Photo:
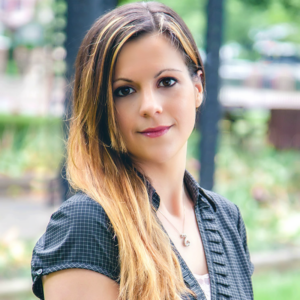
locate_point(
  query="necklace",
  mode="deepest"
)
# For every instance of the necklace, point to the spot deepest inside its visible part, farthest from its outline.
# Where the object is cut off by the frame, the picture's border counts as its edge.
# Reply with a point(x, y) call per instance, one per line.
point(186, 242)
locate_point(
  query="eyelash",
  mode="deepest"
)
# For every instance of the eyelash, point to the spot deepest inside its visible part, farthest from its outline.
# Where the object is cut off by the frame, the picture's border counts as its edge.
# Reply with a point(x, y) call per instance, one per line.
point(130, 88)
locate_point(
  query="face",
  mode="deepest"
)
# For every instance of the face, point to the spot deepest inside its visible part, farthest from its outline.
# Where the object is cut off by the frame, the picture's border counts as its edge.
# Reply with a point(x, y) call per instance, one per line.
point(155, 99)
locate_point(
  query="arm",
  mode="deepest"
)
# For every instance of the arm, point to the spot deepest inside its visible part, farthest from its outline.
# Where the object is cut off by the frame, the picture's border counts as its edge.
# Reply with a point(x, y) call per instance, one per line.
point(78, 239)
point(79, 284)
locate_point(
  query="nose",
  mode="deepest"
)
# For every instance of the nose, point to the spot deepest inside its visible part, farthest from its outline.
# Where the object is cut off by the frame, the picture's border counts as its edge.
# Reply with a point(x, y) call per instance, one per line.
point(150, 104)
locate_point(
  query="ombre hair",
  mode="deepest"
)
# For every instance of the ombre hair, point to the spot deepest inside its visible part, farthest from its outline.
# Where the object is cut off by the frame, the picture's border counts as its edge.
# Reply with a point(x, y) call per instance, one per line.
point(98, 162)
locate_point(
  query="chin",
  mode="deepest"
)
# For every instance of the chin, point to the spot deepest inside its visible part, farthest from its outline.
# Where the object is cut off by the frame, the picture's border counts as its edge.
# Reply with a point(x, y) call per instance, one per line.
point(156, 156)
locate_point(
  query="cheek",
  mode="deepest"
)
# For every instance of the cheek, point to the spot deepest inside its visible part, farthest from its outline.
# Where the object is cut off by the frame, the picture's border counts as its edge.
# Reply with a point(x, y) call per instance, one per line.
point(123, 117)
point(184, 108)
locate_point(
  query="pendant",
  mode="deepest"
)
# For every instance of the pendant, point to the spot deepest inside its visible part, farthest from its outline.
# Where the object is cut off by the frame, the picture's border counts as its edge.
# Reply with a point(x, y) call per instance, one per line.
point(186, 242)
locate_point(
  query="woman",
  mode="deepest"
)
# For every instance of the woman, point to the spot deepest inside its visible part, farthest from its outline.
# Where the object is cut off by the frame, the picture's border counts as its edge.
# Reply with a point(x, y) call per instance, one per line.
point(140, 227)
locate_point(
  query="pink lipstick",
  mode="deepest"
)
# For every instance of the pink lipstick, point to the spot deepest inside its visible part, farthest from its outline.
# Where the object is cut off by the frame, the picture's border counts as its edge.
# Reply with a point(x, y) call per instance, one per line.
point(155, 132)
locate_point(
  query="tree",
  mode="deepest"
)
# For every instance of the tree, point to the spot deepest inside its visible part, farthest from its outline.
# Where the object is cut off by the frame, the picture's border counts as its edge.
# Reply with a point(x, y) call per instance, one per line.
point(211, 110)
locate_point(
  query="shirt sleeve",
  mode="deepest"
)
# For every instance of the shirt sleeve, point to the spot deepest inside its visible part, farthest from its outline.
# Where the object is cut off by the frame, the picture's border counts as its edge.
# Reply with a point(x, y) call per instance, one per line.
point(79, 235)
point(243, 234)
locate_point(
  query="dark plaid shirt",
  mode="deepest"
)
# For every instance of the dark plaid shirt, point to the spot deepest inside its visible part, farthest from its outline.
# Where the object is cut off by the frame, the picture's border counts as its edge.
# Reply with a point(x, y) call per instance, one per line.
point(80, 235)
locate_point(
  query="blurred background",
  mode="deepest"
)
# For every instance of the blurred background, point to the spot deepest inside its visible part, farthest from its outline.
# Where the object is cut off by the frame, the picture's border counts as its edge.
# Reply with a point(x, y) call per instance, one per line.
point(255, 161)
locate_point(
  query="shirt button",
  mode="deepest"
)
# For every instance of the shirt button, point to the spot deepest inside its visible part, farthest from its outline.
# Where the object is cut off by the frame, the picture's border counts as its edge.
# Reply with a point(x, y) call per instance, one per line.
point(39, 272)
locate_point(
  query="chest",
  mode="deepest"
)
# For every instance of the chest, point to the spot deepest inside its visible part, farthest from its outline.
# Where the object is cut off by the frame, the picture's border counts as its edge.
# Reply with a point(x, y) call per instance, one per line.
point(193, 255)
point(224, 253)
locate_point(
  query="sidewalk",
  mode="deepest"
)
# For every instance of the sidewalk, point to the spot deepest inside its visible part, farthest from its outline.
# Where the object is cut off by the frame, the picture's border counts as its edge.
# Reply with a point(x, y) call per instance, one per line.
point(23, 219)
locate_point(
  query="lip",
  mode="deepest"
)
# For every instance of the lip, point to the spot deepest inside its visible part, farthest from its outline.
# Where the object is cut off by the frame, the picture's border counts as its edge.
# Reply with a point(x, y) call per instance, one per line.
point(155, 131)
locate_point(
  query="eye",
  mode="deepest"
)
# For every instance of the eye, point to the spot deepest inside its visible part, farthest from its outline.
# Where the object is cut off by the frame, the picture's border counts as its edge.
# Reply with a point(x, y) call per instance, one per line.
point(167, 82)
point(123, 91)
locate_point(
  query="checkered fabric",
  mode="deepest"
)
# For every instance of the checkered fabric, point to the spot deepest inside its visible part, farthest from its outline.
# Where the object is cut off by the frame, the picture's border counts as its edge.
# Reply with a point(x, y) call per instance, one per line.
point(80, 235)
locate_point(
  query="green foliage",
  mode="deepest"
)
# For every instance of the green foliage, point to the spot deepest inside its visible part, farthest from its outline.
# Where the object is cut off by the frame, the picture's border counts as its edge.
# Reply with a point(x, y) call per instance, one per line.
point(54, 30)
point(262, 181)
point(30, 144)
point(292, 6)
point(15, 257)
point(277, 285)
point(11, 68)
point(258, 3)
point(241, 19)
point(191, 11)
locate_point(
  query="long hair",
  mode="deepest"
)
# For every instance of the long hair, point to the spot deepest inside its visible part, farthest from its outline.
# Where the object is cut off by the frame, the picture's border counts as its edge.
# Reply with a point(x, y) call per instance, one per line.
point(98, 162)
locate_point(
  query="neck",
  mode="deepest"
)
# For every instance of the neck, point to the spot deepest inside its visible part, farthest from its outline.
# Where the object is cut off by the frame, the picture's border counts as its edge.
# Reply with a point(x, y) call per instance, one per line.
point(167, 179)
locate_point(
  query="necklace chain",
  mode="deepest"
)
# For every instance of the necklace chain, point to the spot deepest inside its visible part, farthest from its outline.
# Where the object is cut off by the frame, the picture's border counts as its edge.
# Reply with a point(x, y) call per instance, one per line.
point(186, 242)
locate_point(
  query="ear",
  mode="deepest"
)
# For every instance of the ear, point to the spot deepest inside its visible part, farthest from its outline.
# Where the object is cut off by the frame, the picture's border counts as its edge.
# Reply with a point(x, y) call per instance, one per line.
point(198, 89)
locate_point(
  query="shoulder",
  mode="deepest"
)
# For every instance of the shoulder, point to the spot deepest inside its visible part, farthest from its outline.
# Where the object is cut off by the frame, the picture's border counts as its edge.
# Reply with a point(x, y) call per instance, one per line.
point(78, 221)
point(81, 201)
point(80, 209)
point(79, 235)
point(79, 218)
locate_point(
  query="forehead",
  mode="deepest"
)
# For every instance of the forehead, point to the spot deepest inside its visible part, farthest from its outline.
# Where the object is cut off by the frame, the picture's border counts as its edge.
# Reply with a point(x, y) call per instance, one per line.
point(146, 54)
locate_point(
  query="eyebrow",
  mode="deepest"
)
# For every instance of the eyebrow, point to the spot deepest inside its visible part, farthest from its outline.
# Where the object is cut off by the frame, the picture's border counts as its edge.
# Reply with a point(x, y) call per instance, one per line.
point(159, 73)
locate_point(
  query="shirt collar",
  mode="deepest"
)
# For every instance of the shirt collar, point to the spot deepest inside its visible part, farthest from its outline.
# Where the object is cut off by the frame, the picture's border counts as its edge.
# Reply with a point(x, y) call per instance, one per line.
point(198, 194)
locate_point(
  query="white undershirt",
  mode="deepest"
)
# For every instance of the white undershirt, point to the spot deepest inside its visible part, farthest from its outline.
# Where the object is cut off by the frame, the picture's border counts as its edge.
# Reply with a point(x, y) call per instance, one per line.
point(204, 282)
